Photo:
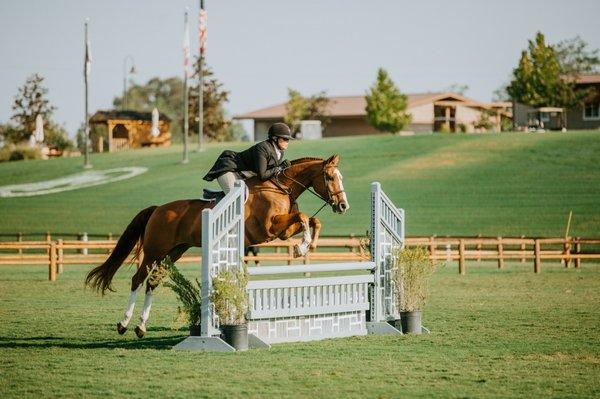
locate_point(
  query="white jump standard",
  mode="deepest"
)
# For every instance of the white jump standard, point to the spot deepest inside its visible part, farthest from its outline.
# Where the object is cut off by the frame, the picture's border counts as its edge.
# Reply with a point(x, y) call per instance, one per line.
point(301, 309)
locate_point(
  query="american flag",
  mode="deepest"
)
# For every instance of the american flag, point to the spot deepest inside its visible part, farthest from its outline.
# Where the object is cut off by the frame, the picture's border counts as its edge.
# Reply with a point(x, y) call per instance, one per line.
point(202, 35)
point(186, 48)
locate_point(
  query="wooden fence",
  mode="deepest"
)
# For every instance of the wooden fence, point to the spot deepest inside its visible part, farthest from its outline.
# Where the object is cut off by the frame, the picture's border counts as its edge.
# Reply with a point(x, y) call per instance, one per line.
point(570, 251)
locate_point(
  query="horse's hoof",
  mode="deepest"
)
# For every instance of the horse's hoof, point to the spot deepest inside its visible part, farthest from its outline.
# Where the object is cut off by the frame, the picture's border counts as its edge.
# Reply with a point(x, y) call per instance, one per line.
point(297, 253)
point(139, 332)
point(121, 329)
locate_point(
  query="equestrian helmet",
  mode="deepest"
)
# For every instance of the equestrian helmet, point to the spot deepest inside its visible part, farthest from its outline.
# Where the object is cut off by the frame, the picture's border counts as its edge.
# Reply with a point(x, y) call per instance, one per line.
point(280, 130)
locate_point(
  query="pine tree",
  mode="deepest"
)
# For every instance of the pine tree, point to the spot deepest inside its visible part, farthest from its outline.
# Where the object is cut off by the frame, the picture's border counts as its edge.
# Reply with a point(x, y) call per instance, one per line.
point(386, 105)
point(31, 101)
point(539, 79)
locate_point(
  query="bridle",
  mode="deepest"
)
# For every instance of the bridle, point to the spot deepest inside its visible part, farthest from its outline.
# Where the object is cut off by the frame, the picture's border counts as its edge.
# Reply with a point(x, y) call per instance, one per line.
point(288, 191)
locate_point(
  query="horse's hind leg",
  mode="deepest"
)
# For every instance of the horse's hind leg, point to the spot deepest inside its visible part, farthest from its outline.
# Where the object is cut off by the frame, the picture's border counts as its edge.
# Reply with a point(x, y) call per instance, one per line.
point(140, 329)
point(136, 283)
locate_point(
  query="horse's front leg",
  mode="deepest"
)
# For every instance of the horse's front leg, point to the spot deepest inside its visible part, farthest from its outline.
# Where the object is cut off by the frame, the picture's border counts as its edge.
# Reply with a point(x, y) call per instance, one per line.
point(315, 225)
point(285, 226)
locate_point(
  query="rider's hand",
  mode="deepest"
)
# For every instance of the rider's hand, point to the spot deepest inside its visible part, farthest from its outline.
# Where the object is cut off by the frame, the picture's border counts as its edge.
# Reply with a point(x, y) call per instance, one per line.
point(277, 170)
point(285, 164)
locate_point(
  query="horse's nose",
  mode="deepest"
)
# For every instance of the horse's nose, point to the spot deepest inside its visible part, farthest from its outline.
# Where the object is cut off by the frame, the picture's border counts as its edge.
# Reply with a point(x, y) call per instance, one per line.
point(344, 206)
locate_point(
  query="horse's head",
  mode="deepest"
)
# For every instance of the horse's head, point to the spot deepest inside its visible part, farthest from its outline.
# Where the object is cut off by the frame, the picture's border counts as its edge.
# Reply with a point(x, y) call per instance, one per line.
point(328, 185)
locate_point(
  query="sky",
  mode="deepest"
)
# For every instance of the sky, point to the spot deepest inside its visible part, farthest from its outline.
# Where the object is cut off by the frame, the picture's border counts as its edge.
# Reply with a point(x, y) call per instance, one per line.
point(258, 49)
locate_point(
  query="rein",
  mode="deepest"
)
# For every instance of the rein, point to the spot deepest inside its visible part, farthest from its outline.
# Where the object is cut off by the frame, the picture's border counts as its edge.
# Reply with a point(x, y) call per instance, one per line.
point(288, 191)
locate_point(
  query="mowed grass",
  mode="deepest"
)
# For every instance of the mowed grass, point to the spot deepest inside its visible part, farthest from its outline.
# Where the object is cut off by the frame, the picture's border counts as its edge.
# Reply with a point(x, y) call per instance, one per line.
point(494, 333)
point(507, 184)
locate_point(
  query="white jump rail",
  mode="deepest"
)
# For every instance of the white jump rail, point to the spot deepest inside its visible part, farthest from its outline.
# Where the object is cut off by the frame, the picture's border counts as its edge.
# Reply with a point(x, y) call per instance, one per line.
point(301, 309)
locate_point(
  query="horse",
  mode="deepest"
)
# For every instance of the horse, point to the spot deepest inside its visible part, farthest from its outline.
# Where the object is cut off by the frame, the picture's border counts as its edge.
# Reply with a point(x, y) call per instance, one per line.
point(271, 212)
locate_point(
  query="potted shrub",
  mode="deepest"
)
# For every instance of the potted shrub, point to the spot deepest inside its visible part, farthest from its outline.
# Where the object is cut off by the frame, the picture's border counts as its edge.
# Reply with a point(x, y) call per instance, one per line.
point(230, 301)
point(187, 292)
point(412, 274)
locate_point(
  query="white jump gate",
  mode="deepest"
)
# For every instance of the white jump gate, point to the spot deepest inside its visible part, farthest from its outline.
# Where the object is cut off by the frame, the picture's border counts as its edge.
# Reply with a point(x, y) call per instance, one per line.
point(301, 309)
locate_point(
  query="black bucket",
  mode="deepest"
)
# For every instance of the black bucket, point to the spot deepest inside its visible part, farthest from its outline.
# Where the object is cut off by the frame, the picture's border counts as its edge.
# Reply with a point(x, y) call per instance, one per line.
point(411, 322)
point(236, 336)
point(195, 330)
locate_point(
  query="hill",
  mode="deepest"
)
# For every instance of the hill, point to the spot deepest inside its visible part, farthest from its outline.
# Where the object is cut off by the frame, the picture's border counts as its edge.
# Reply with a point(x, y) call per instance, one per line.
point(508, 184)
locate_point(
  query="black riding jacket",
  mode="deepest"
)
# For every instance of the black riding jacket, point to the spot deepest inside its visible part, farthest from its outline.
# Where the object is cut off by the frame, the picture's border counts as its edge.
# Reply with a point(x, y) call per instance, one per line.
point(261, 159)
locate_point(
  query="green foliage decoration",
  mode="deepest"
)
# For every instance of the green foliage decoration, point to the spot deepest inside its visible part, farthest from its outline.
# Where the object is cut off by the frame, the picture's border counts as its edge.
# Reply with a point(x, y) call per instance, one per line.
point(386, 105)
point(229, 296)
point(413, 271)
point(188, 292)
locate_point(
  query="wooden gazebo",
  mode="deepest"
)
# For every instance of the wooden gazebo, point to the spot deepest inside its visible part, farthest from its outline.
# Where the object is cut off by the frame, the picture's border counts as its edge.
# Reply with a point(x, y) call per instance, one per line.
point(131, 129)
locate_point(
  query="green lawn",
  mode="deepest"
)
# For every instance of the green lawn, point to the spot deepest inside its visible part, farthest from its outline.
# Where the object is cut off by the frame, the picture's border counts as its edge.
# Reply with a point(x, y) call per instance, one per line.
point(508, 184)
point(494, 333)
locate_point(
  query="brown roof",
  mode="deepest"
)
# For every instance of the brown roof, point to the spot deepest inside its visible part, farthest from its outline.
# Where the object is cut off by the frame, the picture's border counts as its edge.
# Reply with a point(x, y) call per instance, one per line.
point(103, 116)
point(344, 106)
point(587, 79)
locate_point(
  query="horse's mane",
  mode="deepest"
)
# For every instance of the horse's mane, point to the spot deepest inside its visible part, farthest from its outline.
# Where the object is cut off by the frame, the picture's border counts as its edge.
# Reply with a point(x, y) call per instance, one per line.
point(306, 159)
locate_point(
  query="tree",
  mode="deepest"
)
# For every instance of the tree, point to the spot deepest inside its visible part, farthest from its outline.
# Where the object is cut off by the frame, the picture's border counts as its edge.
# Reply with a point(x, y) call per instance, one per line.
point(458, 88)
point(164, 94)
point(386, 105)
point(299, 108)
point(575, 58)
point(539, 79)
point(216, 125)
point(30, 102)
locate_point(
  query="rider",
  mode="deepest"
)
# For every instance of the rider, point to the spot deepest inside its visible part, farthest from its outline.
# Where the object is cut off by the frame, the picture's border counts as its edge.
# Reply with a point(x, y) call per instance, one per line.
point(263, 159)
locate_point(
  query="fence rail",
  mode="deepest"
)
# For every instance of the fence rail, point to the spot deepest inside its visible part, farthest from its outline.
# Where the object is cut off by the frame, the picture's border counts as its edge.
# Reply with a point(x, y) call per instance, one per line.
point(571, 251)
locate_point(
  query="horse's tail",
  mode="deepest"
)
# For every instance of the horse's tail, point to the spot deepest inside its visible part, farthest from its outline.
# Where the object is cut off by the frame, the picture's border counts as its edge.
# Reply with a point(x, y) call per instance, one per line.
point(100, 278)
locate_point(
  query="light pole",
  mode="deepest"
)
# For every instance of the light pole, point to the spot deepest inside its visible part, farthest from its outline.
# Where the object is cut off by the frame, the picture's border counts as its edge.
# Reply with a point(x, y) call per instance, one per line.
point(125, 73)
point(86, 72)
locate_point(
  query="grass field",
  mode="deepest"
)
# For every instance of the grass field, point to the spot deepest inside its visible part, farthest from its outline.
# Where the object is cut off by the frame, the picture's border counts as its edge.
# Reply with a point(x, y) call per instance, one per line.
point(509, 184)
point(494, 333)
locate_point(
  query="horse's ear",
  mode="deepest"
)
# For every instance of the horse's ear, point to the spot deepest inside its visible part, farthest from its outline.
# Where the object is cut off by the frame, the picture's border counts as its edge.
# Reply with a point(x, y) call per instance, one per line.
point(333, 160)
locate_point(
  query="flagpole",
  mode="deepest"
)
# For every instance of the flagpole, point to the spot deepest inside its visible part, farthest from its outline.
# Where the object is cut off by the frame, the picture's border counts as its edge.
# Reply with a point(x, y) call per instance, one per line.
point(86, 162)
point(202, 37)
point(186, 55)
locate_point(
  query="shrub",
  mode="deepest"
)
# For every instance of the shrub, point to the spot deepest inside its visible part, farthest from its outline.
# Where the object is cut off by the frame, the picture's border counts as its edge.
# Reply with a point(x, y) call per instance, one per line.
point(412, 275)
point(11, 153)
point(444, 128)
point(229, 296)
point(188, 293)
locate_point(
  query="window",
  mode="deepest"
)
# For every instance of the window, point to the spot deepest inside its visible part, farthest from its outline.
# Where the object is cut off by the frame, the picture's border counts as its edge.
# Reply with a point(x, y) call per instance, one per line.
point(591, 111)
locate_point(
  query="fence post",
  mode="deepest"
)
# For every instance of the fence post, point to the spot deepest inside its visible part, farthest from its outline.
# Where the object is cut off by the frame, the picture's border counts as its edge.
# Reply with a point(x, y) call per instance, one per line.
point(109, 237)
point(500, 253)
point(52, 264)
point(578, 252)
point(19, 239)
point(523, 249)
point(83, 237)
point(478, 248)
point(60, 250)
point(537, 263)
point(290, 254)
point(448, 253)
point(461, 257)
point(48, 239)
point(432, 246)
point(567, 252)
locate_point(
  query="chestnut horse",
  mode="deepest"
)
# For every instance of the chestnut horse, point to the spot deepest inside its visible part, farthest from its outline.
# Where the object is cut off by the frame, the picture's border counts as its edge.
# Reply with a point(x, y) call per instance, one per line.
point(271, 212)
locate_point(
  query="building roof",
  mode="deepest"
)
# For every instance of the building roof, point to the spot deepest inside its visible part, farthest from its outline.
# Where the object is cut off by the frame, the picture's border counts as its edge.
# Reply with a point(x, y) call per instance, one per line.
point(589, 78)
point(346, 106)
point(103, 116)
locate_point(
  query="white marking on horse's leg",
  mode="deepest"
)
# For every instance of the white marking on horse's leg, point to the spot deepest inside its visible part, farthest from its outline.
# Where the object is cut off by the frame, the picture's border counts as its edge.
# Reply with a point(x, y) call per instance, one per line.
point(306, 240)
point(130, 307)
point(146, 310)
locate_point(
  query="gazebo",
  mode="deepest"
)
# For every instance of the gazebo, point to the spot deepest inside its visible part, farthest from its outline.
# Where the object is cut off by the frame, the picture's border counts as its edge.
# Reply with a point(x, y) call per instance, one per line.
point(131, 129)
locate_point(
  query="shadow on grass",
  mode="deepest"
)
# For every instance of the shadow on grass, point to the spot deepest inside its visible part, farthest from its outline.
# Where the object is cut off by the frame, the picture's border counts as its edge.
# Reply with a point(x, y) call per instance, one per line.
point(159, 343)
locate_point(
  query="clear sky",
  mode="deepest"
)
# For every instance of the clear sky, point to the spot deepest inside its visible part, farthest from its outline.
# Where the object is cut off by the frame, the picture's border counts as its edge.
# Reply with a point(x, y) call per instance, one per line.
point(260, 48)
